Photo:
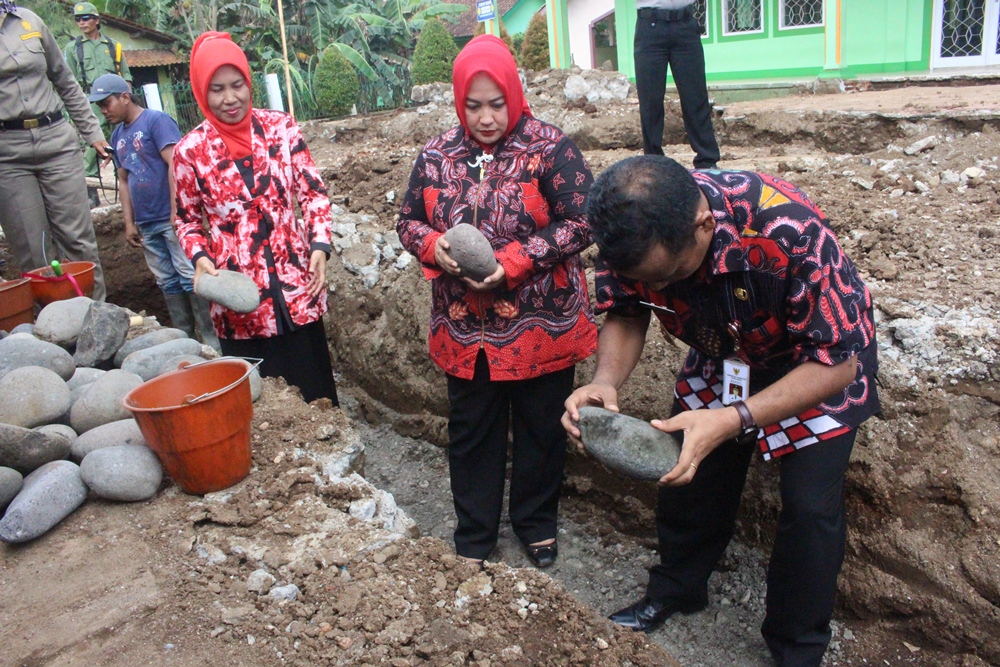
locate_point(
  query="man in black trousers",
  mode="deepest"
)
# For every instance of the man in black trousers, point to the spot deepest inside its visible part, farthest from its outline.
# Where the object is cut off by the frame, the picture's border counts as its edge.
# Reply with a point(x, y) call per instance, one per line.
point(667, 33)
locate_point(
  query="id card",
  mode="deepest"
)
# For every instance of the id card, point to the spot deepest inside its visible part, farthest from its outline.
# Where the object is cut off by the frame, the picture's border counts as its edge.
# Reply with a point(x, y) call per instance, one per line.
point(735, 381)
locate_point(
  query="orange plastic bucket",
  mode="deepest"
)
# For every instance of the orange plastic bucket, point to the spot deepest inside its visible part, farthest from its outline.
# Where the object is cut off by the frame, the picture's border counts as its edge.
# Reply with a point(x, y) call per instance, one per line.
point(16, 304)
point(47, 287)
point(197, 420)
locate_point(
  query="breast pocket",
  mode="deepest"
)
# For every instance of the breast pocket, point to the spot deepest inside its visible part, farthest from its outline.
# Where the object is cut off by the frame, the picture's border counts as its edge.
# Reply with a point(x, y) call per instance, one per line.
point(755, 303)
point(32, 42)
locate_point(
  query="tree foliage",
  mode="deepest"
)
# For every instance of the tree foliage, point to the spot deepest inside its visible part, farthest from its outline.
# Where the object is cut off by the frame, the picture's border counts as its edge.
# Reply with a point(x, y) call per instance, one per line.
point(434, 55)
point(335, 83)
point(535, 47)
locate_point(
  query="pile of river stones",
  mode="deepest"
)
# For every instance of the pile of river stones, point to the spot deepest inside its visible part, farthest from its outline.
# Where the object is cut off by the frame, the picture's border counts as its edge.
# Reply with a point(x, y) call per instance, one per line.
point(64, 431)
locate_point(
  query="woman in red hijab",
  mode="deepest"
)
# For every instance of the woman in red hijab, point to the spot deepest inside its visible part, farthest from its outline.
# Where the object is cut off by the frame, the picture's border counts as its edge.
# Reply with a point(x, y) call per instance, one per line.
point(509, 343)
point(243, 170)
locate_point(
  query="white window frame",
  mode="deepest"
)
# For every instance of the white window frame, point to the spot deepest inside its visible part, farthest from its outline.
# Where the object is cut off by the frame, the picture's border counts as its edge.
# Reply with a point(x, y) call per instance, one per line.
point(708, 19)
point(781, 18)
point(725, 20)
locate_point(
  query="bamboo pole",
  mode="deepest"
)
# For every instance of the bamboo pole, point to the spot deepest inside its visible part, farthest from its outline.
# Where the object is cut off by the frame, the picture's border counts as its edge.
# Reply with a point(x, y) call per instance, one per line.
point(284, 53)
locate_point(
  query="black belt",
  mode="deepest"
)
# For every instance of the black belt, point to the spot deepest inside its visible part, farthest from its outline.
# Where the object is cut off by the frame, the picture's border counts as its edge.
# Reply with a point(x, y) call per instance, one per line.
point(652, 14)
point(30, 123)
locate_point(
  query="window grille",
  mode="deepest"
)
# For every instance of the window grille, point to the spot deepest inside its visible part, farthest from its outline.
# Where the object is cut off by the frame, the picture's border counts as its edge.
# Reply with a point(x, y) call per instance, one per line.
point(801, 13)
point(701, 14)
point(962, 28)
point(740, 16)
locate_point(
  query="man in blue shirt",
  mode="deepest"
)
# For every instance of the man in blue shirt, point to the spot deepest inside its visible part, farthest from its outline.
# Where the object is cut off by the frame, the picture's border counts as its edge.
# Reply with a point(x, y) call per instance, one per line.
point(143, 149)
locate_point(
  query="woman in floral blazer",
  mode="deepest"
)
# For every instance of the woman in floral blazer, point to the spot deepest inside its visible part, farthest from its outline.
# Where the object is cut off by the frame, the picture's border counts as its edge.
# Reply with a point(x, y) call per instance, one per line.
point(508, 344)
point(242, 170)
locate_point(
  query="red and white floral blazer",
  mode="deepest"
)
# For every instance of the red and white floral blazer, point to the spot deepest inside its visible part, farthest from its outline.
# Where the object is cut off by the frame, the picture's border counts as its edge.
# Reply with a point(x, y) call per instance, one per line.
point(255, 233)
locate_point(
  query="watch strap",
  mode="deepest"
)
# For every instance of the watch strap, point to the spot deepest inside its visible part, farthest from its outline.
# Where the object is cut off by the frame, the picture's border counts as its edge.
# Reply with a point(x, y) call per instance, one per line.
point(746, 418)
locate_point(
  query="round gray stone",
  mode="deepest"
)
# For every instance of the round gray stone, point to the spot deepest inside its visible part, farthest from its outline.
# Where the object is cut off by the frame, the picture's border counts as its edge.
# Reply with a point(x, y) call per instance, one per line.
point(20, 350)
point(629, 445)
point(82, 376)
point(60, 321)
point(24, 328)
point(10, 484)
point(173, 363)
point(230, 289)
point(24, 449)
point(116, 434)
point(471, 251)
point(101, 403)
point(48, 496)
point(146, 363)
point(32, 396)
point(126, 473)
point(59, 430)
point(155, 337)
point(104, 330)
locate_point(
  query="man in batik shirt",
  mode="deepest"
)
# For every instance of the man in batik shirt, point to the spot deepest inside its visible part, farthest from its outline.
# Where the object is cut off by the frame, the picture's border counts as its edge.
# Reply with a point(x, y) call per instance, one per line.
point(744, 269)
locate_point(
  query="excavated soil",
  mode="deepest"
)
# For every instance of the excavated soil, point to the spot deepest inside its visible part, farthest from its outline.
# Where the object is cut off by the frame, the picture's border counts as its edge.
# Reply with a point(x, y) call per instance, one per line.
point(921, 585)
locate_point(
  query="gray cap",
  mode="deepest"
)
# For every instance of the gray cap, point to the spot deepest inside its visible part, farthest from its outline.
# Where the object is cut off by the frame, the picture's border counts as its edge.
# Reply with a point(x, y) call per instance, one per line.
point(107, 84)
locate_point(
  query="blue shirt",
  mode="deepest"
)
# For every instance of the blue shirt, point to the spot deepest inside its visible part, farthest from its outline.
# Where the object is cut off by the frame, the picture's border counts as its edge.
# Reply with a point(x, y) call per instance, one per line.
point(137, 150)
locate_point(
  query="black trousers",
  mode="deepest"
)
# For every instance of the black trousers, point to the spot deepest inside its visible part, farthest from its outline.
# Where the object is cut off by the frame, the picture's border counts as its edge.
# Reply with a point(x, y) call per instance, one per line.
point(695, 523)
point(477, 455)
point(301, 357)
point(677, 44)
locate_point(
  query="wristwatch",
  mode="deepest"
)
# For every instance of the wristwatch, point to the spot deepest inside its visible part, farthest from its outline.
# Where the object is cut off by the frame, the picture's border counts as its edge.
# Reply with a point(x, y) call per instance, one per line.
point(748, 427)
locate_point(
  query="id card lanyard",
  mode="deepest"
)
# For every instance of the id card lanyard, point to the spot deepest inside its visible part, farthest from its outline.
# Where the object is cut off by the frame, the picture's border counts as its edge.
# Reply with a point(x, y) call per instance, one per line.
point(735, 372)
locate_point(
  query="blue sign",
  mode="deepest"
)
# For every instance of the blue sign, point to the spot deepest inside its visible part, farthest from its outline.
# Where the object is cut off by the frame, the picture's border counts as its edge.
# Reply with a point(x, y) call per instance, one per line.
point(485, 10)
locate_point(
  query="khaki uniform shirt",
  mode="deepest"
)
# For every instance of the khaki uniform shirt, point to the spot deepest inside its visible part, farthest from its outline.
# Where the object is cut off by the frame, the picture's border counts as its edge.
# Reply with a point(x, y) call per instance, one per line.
point(34, 77)
point(98, 59)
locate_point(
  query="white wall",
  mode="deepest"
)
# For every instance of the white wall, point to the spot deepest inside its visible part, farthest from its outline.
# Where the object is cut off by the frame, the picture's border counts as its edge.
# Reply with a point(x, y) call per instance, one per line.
point(580, 14)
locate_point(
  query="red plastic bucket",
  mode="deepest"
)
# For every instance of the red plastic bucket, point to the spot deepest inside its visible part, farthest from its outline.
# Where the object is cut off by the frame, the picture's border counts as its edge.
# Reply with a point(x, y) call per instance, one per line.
point(197, 420)
point(16, 304)
point(47, 287)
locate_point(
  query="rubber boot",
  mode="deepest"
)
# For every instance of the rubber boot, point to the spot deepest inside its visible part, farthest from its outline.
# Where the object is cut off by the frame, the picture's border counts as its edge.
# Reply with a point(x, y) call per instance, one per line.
point(95, 200)
point(203, 321)
point(181, 316)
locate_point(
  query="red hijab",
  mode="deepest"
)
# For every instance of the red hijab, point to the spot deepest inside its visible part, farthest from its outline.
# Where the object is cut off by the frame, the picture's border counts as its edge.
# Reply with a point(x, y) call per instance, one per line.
point(211, 51)
point(489, 53)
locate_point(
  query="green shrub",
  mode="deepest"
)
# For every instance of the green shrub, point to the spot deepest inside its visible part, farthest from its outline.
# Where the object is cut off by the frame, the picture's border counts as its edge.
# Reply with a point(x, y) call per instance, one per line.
point(535, 47)
point(335, 84)
point(434, 55)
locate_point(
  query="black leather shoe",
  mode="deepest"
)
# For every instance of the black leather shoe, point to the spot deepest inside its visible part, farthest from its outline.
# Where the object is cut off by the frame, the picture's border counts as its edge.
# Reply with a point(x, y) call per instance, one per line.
point(542, 556)
point(646, 615)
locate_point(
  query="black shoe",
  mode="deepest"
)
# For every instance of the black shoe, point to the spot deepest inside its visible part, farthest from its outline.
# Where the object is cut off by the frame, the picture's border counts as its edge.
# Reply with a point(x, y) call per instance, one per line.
point(542, 556)
point(646, 615)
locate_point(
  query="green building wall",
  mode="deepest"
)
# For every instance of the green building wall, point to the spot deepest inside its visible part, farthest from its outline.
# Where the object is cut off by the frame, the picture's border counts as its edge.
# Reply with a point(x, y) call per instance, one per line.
point(517, 17)
point(875, 36)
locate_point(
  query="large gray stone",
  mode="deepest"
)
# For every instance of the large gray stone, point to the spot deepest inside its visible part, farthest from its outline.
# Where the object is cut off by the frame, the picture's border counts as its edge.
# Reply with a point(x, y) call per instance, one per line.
point(471, 251)
point(84, 376)
point(20, 350)
point(230, 289)
point(628, 445)
point(60, 322)
point(125, 473)
point(24, 450)
point(146, 363)
point(173, 363)
point(27, 328)
point(116, 434)
point(104, 330)
point(101, 403)
point(48, 496)
point(155, 337)
point(10, 484)
point(59, 430)
point(32, 396)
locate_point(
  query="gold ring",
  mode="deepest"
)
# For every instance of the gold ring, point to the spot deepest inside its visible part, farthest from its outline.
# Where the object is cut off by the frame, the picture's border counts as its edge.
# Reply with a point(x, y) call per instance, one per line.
point(694, 466)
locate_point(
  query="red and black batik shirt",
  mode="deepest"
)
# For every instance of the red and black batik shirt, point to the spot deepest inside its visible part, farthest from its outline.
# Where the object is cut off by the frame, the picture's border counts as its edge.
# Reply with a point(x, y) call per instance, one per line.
point(529, 202)
point(775, 270)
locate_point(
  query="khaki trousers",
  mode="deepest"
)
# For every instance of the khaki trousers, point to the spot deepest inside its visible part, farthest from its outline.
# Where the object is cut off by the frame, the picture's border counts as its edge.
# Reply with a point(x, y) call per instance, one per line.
point(43, 199)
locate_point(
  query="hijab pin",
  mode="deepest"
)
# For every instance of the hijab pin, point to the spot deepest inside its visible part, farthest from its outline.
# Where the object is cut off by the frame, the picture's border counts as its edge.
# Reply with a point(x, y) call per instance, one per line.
point(483, 157)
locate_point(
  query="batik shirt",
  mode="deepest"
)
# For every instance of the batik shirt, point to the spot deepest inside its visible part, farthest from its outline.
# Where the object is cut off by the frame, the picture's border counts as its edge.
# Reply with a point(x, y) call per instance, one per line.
point(254, 230)
point(529, 202)
point(776, 271)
